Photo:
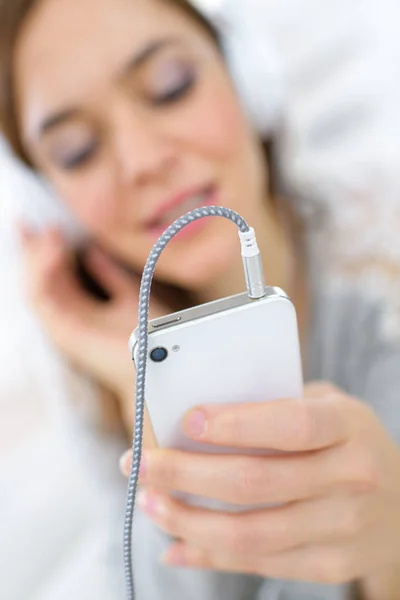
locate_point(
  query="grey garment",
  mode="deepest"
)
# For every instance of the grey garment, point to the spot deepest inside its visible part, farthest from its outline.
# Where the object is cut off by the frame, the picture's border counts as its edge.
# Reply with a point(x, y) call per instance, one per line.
point(345, 348)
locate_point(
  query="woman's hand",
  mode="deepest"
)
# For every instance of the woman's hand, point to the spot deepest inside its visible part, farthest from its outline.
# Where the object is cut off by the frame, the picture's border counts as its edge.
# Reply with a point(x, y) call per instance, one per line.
point(93, 335)
point(338, 490)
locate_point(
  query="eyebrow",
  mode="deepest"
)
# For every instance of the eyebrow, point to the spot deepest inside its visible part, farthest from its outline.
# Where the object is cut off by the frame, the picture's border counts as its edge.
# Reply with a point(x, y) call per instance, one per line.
point(134, 63)
point(147, 53)
point(57, 119)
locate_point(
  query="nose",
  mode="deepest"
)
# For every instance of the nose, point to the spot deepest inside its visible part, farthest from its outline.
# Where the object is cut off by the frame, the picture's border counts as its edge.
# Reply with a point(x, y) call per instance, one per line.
point(144, 152)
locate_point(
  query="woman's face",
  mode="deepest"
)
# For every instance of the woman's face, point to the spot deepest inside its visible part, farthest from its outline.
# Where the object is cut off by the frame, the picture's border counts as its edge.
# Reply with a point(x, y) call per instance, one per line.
point(126, 106)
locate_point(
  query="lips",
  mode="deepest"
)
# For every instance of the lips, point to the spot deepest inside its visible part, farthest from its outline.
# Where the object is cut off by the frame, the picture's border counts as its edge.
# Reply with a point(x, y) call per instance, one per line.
point(179, 206)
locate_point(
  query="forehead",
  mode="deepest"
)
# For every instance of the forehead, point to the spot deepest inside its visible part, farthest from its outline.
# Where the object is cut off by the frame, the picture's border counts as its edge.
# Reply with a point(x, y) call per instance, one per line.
point(67, 47)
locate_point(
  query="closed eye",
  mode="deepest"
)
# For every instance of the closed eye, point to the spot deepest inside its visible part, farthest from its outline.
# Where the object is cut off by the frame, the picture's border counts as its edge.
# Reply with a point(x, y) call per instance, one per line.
point(176, 93)
point(79, 158)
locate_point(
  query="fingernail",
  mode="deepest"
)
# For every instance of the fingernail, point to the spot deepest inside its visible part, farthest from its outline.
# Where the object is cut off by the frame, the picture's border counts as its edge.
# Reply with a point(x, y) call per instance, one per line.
point(195, 424)
point(152, 505)
point(56, 236)
point(175, 557)
point(143, 468)
point(24, 231)
point(125, 462)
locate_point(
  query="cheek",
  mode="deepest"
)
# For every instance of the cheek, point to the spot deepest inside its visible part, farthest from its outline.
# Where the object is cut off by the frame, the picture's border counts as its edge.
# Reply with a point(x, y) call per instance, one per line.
point(91, 197)
point(216, 123)
point(223, 135)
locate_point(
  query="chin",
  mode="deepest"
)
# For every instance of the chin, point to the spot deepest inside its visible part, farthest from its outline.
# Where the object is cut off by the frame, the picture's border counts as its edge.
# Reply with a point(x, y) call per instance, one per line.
point(193, 262)
point(200, 264)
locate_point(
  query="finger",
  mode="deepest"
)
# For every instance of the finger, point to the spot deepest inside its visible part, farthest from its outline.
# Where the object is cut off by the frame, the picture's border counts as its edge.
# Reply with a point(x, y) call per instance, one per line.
point(149, 440)
point(260, 532)
point(247, 480)
point(295, 425)
point(316, 564)
point(25, 233)
point(42, 252)
point(109, 273)
point(44, 256)
point(51, 279)
point(66, 310)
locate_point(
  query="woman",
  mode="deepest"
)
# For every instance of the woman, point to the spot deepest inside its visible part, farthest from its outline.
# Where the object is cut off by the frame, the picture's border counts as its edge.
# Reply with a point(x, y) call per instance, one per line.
point(146, 128)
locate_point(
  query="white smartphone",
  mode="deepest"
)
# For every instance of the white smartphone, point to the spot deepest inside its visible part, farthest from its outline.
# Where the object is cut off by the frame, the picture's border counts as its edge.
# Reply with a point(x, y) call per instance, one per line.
point(234, 350)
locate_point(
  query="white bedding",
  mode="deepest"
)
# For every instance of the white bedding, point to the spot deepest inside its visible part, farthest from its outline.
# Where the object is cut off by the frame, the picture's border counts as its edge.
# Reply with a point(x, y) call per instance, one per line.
point(57, 507)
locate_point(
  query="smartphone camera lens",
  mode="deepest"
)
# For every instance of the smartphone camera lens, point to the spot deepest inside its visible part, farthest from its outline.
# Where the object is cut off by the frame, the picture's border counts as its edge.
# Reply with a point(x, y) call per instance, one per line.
point(158, 355)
